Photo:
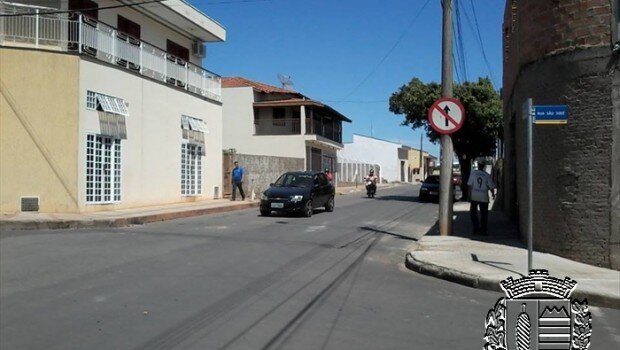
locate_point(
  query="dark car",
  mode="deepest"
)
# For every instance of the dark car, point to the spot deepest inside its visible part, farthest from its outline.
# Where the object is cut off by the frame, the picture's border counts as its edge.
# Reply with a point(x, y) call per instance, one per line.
point(430, 188)
point(300, 192)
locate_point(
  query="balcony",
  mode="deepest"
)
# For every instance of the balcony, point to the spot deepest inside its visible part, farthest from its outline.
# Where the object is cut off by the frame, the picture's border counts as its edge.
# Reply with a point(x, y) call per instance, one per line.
point(277, 127)
point(292, 126)
point(86, 36)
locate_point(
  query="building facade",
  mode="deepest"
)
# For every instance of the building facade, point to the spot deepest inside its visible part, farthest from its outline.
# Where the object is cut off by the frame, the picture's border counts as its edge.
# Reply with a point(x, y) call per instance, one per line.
point(565, 53)
point(97, 115)
point(391, 157)
point(276, 130)
point(419, 166)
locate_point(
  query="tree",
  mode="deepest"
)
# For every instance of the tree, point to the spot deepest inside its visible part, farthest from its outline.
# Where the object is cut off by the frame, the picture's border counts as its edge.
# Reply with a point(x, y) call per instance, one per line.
point(483, 116)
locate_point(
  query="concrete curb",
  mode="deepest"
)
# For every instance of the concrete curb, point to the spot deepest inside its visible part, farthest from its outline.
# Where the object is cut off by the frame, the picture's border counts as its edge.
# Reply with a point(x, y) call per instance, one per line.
point(479, 282)
point(138, 219)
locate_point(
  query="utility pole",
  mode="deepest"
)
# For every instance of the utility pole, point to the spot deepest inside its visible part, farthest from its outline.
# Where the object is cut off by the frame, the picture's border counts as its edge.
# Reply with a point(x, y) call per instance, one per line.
point(447, 150)
point(421, 165)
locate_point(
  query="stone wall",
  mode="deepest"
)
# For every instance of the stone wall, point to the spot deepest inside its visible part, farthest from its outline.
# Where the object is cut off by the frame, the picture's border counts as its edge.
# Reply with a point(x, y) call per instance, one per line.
point(260, 171)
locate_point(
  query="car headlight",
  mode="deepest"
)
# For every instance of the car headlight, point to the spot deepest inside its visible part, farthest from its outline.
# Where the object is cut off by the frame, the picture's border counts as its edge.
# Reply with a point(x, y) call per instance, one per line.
point(263, 197)
point(297, 198)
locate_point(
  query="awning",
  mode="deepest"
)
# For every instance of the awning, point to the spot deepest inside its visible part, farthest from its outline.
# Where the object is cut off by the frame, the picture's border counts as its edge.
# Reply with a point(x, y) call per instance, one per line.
point(111, 104)
point(112, 124)
point(194, 124)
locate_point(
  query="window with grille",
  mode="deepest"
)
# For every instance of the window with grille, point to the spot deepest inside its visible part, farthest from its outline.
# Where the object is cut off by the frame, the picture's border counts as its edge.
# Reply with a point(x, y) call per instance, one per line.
point(191, 169)
point(103, 169)
point(91, 100)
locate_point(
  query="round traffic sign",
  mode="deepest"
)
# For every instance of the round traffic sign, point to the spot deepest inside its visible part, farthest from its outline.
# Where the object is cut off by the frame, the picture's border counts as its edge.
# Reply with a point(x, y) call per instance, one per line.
point(446, 115)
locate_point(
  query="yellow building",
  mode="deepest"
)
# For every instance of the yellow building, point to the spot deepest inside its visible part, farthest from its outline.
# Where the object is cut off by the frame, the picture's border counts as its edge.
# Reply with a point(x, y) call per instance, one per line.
point(419, 166)
point(95, 117)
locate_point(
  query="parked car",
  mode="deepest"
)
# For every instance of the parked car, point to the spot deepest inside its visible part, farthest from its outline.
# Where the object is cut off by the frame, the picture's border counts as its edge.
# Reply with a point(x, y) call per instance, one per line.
point(300, 192)
point(430, 188)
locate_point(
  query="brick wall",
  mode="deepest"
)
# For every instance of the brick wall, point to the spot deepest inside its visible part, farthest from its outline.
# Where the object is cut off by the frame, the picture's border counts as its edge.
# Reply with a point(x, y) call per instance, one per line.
point(536, 28)
point(559, 52)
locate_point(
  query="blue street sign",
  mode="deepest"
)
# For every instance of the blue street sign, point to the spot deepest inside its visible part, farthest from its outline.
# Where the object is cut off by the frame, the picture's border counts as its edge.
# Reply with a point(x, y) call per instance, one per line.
point(557, 114)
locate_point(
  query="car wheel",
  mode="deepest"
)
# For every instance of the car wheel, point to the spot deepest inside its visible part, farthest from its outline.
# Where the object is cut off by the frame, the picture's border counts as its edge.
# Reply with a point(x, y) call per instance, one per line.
point(329, 206)
point(422, 198)
point(307, 212)
point(265, 212)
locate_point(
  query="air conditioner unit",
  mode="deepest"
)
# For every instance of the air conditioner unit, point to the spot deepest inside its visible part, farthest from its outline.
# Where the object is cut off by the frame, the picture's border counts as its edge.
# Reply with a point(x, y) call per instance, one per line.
point(198, 49)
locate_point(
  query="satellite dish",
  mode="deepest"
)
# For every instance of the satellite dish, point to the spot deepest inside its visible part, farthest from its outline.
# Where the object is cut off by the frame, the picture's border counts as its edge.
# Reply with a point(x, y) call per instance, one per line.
point(286, 81)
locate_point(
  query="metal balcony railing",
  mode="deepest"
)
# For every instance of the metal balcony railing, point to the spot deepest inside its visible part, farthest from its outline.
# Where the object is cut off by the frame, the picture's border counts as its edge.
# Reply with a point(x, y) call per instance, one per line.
point(34, 28)
point(277, 127)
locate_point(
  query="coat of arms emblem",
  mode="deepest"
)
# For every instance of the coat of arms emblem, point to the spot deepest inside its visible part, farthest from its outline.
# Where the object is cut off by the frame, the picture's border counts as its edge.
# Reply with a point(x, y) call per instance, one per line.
point(537, 314)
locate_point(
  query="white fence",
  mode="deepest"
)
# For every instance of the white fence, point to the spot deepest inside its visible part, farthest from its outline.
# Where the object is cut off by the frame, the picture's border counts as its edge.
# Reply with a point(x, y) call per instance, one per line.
point(85, 36)
point(351, 171)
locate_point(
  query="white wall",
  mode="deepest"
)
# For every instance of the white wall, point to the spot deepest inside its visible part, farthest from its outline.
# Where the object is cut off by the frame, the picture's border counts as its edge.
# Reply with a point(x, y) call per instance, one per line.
point(238, 133)
point(373, 151)
point(151, 154)
point(150, 31)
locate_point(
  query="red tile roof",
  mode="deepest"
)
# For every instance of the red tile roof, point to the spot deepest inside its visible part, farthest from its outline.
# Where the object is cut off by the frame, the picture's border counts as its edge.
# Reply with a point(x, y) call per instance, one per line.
point(228, 82)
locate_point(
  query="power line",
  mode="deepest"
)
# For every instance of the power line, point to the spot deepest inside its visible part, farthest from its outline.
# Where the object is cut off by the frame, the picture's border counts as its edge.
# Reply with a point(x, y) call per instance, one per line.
point(484, 55)
point(459, 40)
point(400, 38)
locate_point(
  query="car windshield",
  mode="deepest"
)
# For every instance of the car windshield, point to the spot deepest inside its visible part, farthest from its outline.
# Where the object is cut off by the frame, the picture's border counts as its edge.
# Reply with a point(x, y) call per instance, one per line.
point(432, 180)
point(294, 180)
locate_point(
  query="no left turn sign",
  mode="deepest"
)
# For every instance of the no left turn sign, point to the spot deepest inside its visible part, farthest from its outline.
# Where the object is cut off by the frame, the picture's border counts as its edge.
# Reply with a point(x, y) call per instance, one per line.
point(446, 115)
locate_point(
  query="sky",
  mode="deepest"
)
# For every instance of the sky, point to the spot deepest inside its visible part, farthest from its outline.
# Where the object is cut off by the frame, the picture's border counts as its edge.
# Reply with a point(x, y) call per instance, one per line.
point(352, 54)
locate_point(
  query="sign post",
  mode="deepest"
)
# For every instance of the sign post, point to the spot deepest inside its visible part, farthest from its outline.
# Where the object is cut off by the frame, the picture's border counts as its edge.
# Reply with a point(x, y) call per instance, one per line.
point(528, 111)
point(446, 116)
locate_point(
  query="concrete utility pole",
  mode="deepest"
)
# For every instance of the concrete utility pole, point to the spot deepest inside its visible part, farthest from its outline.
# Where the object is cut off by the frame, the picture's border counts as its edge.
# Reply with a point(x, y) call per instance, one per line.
point(447, 150)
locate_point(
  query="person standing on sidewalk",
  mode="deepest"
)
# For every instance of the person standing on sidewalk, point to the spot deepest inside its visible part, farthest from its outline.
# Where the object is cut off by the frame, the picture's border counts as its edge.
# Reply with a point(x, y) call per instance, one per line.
point(237, 181)
point(480, 183)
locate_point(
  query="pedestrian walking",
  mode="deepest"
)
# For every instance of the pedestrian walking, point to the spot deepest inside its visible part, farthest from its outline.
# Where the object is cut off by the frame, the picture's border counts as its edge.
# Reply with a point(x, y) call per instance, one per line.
point(480, 183)
point(237, 181)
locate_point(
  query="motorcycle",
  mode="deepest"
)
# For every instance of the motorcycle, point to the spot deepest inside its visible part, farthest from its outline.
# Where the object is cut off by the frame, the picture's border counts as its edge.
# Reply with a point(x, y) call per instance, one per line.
point(371, 188)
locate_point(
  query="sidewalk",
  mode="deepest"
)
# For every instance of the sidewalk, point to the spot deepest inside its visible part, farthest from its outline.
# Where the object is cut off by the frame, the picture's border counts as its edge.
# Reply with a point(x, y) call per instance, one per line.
point(483, 261)
point(126, 217)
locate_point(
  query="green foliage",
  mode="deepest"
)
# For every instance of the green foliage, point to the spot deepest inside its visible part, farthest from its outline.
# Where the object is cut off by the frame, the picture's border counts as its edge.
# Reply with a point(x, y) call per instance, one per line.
point(483, 114)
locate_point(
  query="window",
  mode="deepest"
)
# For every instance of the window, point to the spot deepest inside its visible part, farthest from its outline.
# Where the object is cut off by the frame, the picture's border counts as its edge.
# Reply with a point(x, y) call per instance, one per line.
point(91, 100)
point(278, 116)
point(106, 103)
point(191, 169)
point(177, 50)
point(192, 150)
point(128, 27)
point(103, 169)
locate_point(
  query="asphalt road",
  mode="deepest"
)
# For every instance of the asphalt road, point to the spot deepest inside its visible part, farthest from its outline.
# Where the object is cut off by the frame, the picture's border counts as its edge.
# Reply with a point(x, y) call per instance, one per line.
point(241, 281)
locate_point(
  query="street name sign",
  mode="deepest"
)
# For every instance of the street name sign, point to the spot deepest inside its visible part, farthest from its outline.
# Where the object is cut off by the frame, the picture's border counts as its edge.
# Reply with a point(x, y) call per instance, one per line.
point(446, 115)
point(551, 114)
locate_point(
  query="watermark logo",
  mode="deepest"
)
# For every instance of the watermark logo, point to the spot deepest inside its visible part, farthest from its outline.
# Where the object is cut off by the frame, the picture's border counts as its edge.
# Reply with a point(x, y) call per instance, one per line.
point(537, 314)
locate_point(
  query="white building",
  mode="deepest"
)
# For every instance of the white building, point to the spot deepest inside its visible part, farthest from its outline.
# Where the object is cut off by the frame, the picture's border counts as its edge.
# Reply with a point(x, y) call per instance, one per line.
point(108, 108)
point(390, 156)
point(278, 130)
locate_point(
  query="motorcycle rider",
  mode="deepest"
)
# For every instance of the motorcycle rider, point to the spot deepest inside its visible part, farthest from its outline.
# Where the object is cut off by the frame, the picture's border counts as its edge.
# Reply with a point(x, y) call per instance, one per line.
point(371, 183)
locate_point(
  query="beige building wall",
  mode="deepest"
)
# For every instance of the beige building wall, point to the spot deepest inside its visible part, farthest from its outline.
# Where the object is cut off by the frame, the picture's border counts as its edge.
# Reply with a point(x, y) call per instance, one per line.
point(38, 129)
point(414, 163)
point(44, 123)
point(239, 129)
point(151, 154)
